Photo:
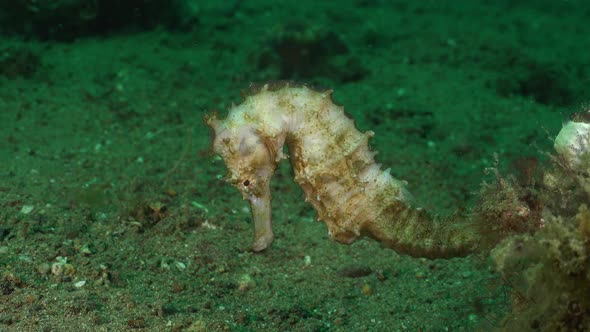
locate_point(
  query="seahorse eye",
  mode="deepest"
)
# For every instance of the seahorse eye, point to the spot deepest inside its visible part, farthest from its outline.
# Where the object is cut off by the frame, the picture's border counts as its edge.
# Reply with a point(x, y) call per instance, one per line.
point(246, 183)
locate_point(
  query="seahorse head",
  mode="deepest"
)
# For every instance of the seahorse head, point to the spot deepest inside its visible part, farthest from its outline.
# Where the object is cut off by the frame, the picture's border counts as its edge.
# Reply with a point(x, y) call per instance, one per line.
point(249, 160)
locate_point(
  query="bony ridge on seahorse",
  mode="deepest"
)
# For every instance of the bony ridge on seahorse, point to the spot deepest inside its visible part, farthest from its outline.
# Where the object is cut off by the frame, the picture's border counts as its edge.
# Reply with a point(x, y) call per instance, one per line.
point(334, 166)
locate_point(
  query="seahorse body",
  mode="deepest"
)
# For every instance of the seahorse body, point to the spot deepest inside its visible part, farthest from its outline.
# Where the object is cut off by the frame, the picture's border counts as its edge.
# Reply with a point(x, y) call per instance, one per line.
point(335, 167)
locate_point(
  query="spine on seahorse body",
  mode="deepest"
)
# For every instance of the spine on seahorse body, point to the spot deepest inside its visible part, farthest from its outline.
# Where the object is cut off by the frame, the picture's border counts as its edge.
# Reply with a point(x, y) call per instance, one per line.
point(335, 167)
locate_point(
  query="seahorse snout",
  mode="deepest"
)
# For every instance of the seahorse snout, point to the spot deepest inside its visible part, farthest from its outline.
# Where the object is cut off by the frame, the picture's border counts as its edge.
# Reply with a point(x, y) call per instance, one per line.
point(261, 213)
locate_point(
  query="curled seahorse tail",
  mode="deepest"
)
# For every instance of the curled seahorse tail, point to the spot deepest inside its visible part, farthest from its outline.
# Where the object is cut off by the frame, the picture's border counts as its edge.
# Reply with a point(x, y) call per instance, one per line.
point(414, 232)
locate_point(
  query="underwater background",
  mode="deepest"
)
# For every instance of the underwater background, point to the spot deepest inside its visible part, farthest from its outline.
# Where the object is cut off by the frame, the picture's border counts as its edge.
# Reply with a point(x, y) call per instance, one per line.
point(114, 214)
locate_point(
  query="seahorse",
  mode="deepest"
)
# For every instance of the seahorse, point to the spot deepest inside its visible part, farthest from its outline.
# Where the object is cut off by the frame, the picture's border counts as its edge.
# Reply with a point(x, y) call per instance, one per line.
point(335, 167)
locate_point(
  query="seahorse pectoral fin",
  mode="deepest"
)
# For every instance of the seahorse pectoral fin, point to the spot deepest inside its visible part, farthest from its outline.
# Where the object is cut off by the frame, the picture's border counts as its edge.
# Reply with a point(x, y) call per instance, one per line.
point(261, 214)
